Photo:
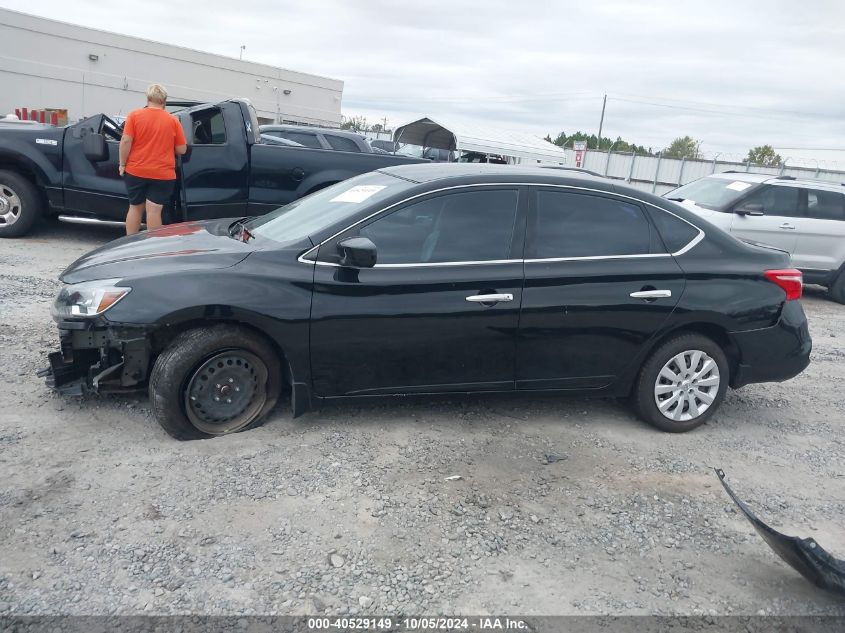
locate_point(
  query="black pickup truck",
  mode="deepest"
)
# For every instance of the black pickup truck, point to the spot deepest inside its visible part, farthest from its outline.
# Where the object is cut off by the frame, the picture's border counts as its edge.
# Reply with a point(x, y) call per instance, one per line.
point(71, 172)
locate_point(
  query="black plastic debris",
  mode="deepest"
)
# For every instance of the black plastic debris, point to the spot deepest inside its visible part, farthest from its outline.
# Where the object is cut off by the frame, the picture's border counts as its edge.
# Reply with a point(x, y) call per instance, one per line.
point(804, 555)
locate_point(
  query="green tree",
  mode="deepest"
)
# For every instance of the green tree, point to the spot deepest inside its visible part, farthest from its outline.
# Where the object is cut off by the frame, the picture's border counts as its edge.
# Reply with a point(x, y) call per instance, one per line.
point(683, 147)
point(619, 145)
point(355, 123)
point(377, 127)
point(764, 155)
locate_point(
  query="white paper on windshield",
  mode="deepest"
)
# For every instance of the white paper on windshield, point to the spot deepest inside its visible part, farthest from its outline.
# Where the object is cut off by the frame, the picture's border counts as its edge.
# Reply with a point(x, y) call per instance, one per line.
point(359, 193)
point(737, 185)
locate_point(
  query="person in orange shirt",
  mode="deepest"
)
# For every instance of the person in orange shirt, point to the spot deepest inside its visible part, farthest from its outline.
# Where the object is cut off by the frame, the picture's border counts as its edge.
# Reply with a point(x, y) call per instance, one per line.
point(152, 137)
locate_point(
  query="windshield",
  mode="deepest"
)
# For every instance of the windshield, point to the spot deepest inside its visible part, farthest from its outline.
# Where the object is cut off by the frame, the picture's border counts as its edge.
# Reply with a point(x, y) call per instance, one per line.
point(313, 213)
point(711, 193)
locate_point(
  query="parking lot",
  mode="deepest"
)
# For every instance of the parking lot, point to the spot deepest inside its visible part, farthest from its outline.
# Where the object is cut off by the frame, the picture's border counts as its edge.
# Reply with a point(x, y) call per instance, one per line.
point(561, 506)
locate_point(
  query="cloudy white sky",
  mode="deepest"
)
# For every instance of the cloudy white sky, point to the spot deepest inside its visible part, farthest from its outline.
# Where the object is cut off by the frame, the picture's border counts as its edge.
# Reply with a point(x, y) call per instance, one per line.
point(732, 74)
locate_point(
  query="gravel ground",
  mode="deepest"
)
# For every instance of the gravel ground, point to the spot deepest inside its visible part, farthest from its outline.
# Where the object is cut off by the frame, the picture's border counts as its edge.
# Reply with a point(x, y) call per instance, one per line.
point(352, 509)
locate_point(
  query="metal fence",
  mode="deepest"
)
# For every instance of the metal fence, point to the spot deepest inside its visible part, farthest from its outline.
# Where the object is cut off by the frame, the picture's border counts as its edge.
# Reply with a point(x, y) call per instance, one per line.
point(659, 175)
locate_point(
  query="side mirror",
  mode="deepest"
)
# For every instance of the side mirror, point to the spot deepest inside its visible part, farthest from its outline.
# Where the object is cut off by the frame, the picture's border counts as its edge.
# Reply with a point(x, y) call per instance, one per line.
point(357, 252)
point(94, 147)
point(749, 209)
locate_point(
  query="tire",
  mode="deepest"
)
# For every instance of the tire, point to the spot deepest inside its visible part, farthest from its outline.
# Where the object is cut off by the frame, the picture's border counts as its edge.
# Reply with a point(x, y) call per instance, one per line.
point(20, 204)
point(651, 386)
point(837, 288)
point(189, 403)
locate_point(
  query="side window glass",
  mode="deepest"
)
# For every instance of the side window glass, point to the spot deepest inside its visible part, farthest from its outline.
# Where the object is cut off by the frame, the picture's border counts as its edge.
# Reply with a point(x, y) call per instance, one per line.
point(455, 227)
point(309, 140)
point(825, 205)
point(578, 225)
point(675, 232)
point(342, 144)
point(207, 127)
point(776, 200)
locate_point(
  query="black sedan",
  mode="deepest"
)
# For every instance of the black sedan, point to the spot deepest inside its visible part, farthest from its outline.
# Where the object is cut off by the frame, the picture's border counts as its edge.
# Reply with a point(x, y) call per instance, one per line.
point(427, 279)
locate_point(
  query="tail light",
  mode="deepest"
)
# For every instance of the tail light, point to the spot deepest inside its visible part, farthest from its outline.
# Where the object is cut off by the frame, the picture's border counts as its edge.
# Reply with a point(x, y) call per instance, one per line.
point(790, 279)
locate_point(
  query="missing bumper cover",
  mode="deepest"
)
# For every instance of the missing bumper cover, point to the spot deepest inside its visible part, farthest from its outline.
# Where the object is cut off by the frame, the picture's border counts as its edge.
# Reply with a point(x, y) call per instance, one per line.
point(98, 360)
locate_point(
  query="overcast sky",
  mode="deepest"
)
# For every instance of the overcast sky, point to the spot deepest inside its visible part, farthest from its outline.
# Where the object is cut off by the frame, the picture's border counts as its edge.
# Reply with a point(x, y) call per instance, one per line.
point(732, 74)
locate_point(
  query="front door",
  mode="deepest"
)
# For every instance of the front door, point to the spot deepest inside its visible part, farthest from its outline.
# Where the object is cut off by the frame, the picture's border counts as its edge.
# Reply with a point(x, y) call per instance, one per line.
point(781, 220)
point(438, 312)
point(94, 188)
point(215, 172)
point(598, 285)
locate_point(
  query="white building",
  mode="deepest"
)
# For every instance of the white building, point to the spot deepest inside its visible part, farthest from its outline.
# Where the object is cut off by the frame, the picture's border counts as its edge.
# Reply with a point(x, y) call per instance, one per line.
point(49, 64)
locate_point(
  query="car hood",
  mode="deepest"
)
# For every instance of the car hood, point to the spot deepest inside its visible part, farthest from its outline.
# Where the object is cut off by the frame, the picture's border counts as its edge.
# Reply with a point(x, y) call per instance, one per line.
point(176, 247)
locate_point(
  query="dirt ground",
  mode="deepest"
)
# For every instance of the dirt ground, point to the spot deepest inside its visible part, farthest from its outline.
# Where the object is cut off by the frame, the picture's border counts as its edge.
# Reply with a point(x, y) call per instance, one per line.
point(349, 509)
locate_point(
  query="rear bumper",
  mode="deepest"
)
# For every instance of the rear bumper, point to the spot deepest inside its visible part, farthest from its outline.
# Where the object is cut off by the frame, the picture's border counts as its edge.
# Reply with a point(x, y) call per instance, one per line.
point(94, 358)
point(775, 353)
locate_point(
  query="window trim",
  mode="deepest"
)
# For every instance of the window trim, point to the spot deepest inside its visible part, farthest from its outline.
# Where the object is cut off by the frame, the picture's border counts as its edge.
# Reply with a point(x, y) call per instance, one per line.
point(303, 258)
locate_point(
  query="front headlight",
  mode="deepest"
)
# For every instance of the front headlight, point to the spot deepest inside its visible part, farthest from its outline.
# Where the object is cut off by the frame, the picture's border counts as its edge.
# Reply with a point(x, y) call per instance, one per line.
point(87, 299)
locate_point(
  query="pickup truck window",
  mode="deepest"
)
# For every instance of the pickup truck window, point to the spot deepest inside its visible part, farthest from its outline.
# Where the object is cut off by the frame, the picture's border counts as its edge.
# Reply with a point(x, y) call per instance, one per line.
point(208, 127)
point(309, 140)
point(342, 144)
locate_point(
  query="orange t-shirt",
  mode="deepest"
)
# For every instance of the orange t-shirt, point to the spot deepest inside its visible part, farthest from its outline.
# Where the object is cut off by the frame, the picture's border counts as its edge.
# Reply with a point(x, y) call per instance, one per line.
point(155, 134)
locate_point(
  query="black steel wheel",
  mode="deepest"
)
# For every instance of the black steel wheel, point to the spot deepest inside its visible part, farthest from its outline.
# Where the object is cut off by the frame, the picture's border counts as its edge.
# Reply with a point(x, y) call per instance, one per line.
point(213, 381)
point(226, 391)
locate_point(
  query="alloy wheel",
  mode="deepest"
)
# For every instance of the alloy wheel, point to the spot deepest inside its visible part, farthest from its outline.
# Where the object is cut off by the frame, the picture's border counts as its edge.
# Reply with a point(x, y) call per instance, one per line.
point(10, 205)
point(687, 385)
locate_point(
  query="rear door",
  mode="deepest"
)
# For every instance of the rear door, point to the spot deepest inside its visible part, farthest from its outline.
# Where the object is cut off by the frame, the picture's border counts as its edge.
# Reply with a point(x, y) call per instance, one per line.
point(821, 238)
point(781, 221)
point(598, 285)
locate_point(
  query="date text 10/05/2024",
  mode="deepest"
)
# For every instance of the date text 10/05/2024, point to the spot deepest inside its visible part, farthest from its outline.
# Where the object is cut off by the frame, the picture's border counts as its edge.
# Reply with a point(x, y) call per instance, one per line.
point(422, 623)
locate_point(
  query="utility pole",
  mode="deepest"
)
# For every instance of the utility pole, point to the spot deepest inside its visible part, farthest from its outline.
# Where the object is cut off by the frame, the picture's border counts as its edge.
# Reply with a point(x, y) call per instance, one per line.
point(601, 122)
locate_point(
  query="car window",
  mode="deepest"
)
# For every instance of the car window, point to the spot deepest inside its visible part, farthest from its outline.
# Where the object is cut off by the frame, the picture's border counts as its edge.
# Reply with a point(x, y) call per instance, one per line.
point(207, 127)
point(776, 200)
point(276, 133)
point(566, 224)
point(454, 227)
point(675, 232)
point(303, 138)
point(825, 205)
point(342, 144)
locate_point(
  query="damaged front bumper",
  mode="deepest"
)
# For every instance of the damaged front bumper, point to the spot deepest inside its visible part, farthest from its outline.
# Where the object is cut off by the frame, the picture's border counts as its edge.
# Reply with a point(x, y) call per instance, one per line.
point(804, 555)
point(97, 357)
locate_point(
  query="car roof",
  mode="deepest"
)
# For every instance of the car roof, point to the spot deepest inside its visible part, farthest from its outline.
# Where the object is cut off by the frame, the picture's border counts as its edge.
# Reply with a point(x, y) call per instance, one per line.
point(770, 179)
point(429, 172)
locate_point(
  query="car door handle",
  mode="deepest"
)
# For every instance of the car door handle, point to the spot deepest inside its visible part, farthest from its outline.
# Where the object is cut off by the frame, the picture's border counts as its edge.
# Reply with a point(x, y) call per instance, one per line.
point(651, 294)
point(787, 225)
point(490, 298)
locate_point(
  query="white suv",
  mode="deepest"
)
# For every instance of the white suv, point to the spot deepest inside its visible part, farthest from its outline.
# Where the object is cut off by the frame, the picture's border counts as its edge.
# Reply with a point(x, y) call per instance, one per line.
point(803, 217)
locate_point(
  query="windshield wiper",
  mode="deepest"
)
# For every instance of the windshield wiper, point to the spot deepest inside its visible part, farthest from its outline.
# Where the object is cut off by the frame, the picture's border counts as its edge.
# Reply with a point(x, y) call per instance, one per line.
point(677, 199)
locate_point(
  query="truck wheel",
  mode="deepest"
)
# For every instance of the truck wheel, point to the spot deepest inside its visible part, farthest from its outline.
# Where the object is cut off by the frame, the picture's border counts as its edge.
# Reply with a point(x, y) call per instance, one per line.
point(20, 204)
point(682, 383)
point(214, 381)
point(837, 288)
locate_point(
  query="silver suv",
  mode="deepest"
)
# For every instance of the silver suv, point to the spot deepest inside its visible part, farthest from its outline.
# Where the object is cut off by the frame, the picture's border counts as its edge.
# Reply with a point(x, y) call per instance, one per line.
point(803, 217)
